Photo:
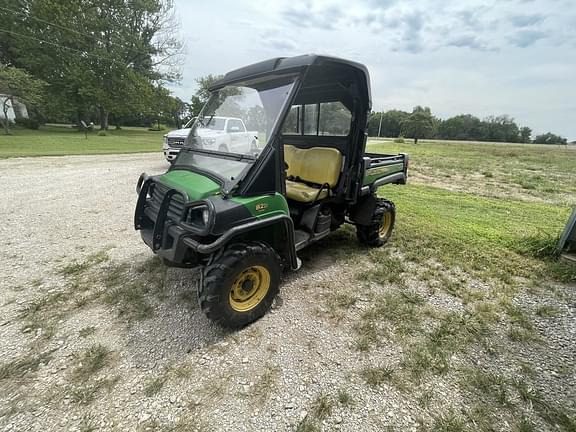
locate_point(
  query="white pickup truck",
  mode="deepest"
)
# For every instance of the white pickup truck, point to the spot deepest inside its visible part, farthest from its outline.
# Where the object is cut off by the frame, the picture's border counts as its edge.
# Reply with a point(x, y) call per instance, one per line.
point(226, 134)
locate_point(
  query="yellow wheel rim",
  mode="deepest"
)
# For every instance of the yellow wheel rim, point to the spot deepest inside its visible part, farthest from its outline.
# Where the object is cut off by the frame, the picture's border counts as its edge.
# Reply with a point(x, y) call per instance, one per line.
point(249, 288)
point(386, 225)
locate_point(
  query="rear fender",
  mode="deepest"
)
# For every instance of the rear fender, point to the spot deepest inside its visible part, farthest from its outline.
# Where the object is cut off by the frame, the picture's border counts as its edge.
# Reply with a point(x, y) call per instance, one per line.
point(361, 212)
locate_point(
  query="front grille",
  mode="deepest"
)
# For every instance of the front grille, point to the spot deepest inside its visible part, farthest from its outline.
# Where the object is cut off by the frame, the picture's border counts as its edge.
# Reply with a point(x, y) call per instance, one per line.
point(175, 141)
point(175, 208)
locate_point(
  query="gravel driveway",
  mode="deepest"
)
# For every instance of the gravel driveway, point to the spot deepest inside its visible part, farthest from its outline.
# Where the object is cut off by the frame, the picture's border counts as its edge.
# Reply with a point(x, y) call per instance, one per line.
point(76, 361)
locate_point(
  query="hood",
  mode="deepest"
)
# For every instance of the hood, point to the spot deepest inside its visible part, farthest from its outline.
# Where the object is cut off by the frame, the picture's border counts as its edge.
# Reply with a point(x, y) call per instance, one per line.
point(178, 133)
point(202, 132)
point(195, 185)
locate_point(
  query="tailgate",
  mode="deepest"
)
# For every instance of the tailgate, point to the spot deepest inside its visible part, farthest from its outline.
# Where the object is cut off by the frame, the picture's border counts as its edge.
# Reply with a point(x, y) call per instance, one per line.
point(381, 169)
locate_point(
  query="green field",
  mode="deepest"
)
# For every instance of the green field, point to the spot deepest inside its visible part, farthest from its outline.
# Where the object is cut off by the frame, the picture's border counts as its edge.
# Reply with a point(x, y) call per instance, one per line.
point(59, 140)
point(513, 171)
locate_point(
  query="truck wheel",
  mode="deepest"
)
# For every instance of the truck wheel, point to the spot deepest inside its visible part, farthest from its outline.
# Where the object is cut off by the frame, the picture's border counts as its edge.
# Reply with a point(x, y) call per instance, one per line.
point(223, 148)
point(381, 224)
point(240, 284)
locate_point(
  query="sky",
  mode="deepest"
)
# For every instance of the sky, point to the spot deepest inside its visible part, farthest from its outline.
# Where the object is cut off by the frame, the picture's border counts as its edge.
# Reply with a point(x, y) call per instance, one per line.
point(515, 57)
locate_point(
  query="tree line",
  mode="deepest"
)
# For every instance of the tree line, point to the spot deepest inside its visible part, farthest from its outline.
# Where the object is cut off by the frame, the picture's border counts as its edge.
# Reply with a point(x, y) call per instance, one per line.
point(420, 123)
point(106, 61)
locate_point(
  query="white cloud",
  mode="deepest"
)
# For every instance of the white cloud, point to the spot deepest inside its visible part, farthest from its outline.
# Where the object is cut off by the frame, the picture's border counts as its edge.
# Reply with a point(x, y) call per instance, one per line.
point(474, 57)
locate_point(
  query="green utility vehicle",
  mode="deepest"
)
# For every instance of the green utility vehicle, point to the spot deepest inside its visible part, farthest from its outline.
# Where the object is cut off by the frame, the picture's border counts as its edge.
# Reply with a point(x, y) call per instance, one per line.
point(243, 216)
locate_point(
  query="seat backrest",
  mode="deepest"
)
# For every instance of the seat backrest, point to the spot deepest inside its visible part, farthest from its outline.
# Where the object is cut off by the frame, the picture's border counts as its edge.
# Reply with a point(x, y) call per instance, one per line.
point(315, 165)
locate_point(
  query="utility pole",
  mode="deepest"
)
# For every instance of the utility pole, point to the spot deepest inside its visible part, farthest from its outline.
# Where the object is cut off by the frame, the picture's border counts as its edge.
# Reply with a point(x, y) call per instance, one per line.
point(380, 125)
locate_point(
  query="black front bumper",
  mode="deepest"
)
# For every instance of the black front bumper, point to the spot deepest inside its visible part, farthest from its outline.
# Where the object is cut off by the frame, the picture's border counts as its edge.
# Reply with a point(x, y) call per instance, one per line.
point(157, 218)
point(173, 248)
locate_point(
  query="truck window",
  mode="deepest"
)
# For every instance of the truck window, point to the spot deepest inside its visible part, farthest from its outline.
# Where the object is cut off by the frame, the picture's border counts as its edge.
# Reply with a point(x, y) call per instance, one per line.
point(235, 125)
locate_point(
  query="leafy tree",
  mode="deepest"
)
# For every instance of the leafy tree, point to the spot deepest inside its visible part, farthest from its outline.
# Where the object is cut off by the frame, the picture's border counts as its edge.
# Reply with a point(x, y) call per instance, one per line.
point(391, 123)
point(202, 94)
point(167, 108)
point(525, 134)
point(500, 128)
point(419, 124)
point(17, 84)
point(550, 138)
point(105, 54)
point(463, 127)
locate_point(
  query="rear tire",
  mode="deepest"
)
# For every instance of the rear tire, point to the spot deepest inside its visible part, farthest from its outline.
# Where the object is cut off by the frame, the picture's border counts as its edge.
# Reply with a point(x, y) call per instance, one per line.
point(240, 284)
point(377, 233)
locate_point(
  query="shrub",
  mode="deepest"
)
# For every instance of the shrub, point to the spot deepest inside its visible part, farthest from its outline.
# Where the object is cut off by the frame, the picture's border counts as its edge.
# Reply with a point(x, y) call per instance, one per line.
point(102, 133)
point(157, 128)
point(28, 123)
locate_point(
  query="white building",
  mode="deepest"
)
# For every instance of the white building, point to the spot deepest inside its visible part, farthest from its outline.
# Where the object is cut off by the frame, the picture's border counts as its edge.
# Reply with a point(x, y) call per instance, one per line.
point(16, 110)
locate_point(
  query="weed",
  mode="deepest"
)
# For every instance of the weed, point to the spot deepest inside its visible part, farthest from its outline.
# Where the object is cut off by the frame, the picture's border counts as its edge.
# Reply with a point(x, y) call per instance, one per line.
point(87, 424)
point(265, 384)
point(374, 376)
point(322, 407)
point(519, 334)
point(368, 335)
point(489, 384)
point(130, 300)
point(86, 392)
point(547, 311)
point(307, 425)
point(448, 422)
point(525, 425)
point(76, 268)
point(153, 386)
point(425, 399)
point(87, 331)
point(92, 361)
point(388, 270)
point(19, 367)
point(341, 300)
point(345, 398)
point(128, 291)
point(551, 413)
point(401, 308)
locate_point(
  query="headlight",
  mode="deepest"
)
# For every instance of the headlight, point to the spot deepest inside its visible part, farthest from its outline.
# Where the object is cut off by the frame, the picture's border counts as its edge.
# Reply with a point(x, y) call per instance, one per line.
point(205, 216)
point(198, 216)
point(165, 139)
point(208, 141)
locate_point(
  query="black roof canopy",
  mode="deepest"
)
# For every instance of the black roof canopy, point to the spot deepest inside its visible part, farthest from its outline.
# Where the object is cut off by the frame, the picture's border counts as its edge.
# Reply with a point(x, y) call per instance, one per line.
point(323, 78)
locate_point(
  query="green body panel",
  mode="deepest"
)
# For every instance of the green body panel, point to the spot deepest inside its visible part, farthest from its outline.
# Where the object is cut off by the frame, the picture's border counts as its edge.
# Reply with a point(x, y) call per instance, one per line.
point(264, 206)
point(195, 185)
point(373, 174)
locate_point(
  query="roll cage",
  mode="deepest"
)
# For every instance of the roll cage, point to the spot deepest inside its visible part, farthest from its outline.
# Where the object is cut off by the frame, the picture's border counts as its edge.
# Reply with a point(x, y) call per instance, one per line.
point(318, 79)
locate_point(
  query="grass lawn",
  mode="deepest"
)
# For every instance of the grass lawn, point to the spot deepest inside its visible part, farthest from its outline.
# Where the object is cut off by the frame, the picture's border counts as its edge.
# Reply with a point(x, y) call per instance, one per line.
point(517, 171)
point(60, 140)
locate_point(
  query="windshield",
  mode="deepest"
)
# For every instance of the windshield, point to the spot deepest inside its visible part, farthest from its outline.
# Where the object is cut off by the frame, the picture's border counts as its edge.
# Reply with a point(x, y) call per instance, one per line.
point(234, 126)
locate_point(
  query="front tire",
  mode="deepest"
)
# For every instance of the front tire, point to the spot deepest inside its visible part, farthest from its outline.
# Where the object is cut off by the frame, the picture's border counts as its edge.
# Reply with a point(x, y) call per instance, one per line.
point(239, 286)
point(378, 232)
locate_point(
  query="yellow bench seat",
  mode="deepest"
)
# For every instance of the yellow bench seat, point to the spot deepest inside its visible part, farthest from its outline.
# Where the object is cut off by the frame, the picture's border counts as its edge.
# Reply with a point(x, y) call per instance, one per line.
point(316, 165)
